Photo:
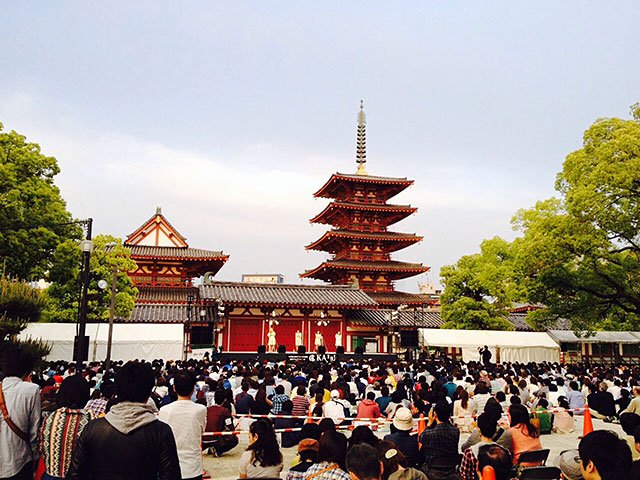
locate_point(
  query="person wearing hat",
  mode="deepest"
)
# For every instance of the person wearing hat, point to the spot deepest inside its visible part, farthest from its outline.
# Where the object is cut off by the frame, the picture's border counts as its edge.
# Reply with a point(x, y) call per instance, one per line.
point(334, 408)
point(307, 451)
point(400, 429)
point(569, 464)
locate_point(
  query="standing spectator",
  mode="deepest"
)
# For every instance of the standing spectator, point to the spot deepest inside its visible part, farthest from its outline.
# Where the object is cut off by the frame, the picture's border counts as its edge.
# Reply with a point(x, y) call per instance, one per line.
point(61, 429)
point(278, 399)
point(307, 451)
point(129, 442)
point(262, 459)
point(19, 402)
point(604, 456)
point(400, 436)
point(219, 420)
point(187, 420)
point(363, 463)
point(331, 458)
point(441, 437)
point(524, 436)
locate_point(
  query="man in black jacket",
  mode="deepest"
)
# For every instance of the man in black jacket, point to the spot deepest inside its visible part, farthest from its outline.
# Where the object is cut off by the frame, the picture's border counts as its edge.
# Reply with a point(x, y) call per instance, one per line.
point(129, 442)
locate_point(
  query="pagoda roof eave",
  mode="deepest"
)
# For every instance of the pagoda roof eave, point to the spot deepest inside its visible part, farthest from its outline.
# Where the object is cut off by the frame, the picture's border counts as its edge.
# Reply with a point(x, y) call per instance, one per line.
point(355, 178)
point(387, 237)
point(385, 208)
point(392, 267)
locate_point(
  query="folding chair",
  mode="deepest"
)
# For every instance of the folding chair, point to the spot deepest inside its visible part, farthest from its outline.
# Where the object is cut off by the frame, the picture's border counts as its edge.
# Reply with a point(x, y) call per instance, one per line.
point(540, 473)
point(538, 457)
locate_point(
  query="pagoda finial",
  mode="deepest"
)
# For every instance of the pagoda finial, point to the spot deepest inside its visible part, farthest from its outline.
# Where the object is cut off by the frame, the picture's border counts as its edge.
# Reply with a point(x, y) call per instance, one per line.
point(158, 210)
point(361, 146)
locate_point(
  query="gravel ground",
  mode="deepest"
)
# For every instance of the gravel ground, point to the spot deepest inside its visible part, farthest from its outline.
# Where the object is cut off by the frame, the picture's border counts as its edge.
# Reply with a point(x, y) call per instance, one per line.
point(226, 467)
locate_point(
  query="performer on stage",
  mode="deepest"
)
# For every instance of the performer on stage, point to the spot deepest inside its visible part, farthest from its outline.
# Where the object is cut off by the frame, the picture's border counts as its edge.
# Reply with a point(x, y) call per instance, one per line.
point(271, 342)
point(319, 340)
point(298, 338)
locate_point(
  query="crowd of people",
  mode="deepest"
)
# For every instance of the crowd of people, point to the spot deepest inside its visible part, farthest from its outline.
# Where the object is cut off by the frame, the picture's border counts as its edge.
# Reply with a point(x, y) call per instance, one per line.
point(360, 420)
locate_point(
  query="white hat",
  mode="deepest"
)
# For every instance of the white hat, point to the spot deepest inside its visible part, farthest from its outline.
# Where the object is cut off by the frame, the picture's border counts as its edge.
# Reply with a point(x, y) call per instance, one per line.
point(403, 420)
point(335, 394)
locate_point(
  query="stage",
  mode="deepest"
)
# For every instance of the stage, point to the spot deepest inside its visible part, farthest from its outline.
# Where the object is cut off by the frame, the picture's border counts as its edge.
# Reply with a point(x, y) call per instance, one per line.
point(292, 356)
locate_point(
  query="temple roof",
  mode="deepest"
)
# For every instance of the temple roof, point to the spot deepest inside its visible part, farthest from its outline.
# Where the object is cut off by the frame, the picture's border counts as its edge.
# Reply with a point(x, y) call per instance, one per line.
point(286, 295)
point(161, 294)
point(402, 298)
point(401, 239)
point(178, 253)
point(382, 317)
point(157, 231)
point(395, 212)
point(395, 184)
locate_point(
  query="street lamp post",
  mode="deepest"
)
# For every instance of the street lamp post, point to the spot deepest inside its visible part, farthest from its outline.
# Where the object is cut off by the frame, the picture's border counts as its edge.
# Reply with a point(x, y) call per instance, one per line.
point(112, 304)
point(82, 344)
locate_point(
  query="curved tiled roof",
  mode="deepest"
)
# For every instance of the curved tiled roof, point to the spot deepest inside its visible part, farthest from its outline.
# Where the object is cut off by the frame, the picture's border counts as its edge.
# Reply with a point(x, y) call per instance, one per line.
point(366, 265)
point(406, 318)
point(165, 294)
point(143, 251)
point(399, 182)
point(399, 298)
point(389, 237)
point(286, 294)
point(400, 211)
point(160, 313)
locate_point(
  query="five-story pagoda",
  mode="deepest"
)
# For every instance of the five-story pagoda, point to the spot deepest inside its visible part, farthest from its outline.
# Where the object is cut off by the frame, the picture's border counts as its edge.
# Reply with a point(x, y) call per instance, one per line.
point(359, 242)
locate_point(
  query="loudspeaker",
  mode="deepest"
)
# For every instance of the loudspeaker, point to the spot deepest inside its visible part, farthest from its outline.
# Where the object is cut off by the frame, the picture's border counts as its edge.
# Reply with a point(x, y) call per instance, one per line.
point(340, 350)
point(301, 350)
point(81, 348)
point(322, 349)
point(262, 349)
point(282, 349)
point(409, 338)
point(359, 350)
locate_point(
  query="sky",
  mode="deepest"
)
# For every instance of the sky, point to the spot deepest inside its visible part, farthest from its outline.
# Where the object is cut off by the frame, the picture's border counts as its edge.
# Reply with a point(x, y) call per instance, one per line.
point(230, 115)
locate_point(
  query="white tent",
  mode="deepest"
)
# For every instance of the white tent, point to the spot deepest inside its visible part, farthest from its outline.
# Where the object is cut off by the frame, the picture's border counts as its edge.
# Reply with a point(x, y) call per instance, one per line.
point(130, 340)
point(514, 346)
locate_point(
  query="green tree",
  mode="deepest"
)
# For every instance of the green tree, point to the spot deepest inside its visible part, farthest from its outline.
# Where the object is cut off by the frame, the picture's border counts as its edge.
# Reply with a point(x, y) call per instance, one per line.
point(64, 276)
point(579, 253)
point(479, 288)
point(29, 198)
point(20, 303)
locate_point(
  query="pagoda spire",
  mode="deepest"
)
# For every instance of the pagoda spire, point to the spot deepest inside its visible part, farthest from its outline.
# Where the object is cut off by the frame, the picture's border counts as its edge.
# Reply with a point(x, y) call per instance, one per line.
point(361, 145)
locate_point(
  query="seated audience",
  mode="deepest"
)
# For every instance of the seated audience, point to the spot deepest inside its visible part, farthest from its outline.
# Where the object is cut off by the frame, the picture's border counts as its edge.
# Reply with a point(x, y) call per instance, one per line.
point(219, 420)
point(307, 452)
point(440, 437)
point(332, 450)
point(496, 457)
point(604, 456)
point(487, 426)
point(363, 463)
point(263, 458)
point(395, 464)
point(400, 435)
point(362, 434)
point(563, 421)
point(524, 436)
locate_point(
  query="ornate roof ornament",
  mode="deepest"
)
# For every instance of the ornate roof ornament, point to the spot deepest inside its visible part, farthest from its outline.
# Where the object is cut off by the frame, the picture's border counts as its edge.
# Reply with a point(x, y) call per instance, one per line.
point(361, 146)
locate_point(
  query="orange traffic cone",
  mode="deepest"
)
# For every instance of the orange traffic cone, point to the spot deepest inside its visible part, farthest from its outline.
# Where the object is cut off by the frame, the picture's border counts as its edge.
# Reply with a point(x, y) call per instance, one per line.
point(309, 414)
point(488, 473)
point(587, 425)
point(421, 427)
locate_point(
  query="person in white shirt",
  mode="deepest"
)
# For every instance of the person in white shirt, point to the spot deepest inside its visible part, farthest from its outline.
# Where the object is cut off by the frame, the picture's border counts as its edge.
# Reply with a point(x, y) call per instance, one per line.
point(334, 408)
point(187, 420)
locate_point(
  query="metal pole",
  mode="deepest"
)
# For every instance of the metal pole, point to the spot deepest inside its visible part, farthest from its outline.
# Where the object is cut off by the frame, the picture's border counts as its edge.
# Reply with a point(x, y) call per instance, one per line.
point(114, 278)
point(82, 307)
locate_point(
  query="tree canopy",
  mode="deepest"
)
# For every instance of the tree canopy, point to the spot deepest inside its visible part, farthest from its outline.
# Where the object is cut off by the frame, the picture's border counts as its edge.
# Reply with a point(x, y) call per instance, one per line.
point(479, 287)
point(65, 280)
point(31, 208)
point(579, 253)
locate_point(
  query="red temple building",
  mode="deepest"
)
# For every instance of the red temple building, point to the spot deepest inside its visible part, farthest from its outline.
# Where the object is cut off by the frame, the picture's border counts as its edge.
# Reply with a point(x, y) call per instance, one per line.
point(360, 243)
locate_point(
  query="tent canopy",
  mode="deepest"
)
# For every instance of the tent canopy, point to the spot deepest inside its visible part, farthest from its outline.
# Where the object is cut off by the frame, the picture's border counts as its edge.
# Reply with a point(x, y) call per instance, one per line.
point(514, 346)
point(130, 340)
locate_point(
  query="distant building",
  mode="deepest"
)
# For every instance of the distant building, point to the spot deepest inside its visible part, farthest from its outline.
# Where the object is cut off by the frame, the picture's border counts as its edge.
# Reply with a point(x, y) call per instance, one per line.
point(269, 278)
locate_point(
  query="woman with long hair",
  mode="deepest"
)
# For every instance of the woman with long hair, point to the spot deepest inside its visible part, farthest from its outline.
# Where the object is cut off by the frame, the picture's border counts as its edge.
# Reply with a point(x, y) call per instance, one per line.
point(524, 436)
point(332, 452)
point(463, 409)
point(563, 421)
point(61, 429)
point(263, 458)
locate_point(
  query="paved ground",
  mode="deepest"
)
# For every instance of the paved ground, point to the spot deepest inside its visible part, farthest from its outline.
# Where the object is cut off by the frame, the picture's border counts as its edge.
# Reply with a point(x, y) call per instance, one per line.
point(226, 467)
